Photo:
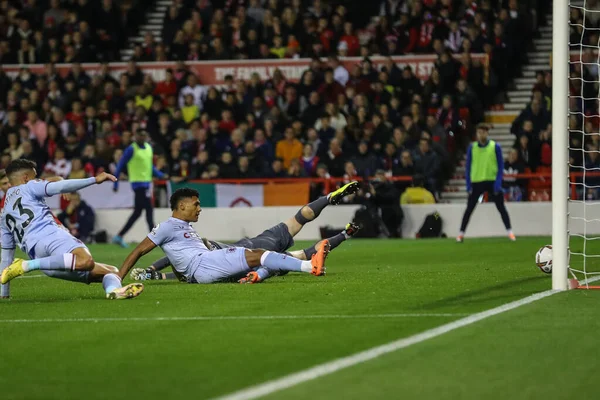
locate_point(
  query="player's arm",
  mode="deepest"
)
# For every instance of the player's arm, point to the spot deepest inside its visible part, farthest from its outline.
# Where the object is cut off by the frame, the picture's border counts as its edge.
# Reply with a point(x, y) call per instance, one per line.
point(7, 255)
point(145, 247)
point(127, 154)
point(468, 168)
point(500, 173)
point(47, 189)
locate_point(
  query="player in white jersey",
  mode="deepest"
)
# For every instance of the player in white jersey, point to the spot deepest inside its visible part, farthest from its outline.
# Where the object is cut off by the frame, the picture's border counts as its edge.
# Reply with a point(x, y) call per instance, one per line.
point(192, 259)
point(26, 221)
point(278, 238)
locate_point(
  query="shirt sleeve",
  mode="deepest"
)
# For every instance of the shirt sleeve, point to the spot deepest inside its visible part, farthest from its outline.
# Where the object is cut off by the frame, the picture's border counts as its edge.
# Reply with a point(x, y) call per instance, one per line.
point(157, 173)
point(160, 235)
point(37, 188)
point(500, 162)
point(127, 154)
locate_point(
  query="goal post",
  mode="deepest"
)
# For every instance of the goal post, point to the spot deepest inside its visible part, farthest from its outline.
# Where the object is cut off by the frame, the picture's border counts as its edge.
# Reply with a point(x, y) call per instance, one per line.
point(560, 143)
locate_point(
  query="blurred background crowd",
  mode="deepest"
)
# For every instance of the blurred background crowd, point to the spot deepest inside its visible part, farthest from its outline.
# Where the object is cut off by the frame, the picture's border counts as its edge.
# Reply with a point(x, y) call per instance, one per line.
point(336, 121)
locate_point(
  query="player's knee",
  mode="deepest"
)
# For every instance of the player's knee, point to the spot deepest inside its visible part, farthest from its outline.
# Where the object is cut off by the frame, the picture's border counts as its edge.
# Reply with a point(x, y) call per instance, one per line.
point(112, 269)
point(85, 263)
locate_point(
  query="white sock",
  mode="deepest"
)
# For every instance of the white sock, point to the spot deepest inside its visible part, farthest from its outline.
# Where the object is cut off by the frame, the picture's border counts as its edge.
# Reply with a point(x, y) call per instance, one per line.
point(111, 282)
point(306, 266)
point(510, 232)
point(461, 233)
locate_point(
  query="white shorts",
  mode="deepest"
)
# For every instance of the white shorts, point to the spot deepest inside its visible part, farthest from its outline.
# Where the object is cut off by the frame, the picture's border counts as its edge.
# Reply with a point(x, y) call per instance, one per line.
point(60, 242)
point(220, 266)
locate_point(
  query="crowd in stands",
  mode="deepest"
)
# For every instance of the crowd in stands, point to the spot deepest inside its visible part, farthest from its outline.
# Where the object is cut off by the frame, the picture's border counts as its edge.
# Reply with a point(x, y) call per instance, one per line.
point(59, 31)
point(533, 129)
point(334, 122)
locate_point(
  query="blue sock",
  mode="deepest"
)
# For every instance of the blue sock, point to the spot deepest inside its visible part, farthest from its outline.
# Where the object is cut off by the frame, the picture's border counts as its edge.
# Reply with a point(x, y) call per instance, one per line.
point(60, 262)
point(111, 282)
point(276, 262)
point(5, 290)
point(263, 273)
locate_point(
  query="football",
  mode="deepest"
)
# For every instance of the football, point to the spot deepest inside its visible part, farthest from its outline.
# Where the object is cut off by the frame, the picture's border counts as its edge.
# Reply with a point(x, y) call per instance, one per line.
point(543, 259)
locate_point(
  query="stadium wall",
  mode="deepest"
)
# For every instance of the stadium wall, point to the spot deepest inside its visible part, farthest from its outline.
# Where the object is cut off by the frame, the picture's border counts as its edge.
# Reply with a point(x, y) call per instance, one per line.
point(229, 224)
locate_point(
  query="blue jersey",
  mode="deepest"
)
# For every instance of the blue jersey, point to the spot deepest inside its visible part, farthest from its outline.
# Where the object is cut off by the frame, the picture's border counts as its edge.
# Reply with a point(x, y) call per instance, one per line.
point(26, 217)
point(180, 242)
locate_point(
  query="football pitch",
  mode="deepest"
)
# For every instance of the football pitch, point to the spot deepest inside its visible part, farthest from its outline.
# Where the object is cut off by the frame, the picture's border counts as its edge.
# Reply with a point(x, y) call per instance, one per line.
point(63, 340)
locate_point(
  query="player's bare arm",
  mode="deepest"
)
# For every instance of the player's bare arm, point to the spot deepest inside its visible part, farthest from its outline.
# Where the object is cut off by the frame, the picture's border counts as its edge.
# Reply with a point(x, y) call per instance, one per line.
point(145, 247)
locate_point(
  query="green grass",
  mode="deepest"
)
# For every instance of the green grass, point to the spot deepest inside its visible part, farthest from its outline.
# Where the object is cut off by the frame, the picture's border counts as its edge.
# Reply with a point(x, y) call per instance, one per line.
point(539, 351)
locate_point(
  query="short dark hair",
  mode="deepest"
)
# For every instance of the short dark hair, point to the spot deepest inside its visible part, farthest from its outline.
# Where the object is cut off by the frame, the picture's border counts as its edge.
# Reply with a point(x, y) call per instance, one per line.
point(19, 165)
point(182, 193)
point(483, 126)
point(2, 174)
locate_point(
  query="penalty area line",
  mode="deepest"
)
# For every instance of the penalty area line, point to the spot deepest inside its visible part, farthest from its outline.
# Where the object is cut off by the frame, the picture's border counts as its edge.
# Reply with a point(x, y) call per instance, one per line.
point(230, 318)
point(330, 367)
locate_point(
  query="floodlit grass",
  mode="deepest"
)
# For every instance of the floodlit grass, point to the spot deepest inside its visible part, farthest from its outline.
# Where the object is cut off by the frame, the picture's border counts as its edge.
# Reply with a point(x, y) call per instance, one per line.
point(62, 340)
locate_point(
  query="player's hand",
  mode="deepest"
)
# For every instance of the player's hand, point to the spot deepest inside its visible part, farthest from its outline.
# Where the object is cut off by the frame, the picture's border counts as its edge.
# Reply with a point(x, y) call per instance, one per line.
point(103, 177)
point(66, 196)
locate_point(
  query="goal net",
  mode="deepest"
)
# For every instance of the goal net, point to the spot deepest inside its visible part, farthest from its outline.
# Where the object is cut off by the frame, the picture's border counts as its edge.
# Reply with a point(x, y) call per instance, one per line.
point(583, 116)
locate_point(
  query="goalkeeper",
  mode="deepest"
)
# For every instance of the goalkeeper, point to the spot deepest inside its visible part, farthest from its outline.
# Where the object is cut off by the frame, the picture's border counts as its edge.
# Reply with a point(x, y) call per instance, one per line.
point(484, 171)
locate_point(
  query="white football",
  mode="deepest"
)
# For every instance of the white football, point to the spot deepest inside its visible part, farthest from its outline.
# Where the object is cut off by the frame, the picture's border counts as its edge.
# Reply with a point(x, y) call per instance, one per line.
point(543, 259)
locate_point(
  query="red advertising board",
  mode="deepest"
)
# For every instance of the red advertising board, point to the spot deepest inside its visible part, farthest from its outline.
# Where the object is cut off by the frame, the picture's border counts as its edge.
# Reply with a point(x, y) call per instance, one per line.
point(214, 72)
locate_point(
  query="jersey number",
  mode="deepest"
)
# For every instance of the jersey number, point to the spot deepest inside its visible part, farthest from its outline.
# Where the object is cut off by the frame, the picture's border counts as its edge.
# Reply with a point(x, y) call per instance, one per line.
point(12, 222)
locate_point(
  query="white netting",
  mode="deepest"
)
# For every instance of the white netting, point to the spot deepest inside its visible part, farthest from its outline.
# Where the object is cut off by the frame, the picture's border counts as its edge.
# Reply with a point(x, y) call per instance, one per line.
point(584, 138)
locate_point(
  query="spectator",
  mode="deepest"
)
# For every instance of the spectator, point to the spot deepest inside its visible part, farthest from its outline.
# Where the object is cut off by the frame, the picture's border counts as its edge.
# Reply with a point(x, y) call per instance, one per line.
point(334, 158)
point(190, 110)
point(536, 114)
point(288, 148)
point(513, 188)
point(330, 89)
point(37, 128)
point(523, 148)
point(386, 199)
point(77, 170)
point(78, 218)
point(340, 74)
point(227, 167)
point(59, 166)
point(309, 160)
point(427, 163)
point(277, 170)
point(417, 194)
point(199, 92)
point(365, 161)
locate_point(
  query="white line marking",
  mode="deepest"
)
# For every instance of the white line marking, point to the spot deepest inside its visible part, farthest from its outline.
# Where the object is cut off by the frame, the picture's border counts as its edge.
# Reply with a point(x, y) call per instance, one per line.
point(229, 318)
point(330, 367)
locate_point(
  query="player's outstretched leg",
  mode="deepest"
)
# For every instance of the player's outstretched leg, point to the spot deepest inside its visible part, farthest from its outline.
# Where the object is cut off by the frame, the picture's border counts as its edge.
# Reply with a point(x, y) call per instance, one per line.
point(79, 260)
point(334, 241)
point(268, 263)
point(116, 291)
point(312, 210)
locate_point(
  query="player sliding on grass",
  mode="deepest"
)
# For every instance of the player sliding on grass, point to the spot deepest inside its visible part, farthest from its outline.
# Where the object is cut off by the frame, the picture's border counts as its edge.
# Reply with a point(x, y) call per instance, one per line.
point(278, 238)
point(192, 258)
point(26, 221)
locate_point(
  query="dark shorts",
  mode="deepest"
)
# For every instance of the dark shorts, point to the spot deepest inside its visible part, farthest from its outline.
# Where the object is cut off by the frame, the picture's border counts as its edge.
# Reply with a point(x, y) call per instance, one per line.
point(277, 238)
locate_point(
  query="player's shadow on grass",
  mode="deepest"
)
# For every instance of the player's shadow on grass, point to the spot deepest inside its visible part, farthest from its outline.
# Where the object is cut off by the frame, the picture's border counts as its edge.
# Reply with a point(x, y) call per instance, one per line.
point(484, 294)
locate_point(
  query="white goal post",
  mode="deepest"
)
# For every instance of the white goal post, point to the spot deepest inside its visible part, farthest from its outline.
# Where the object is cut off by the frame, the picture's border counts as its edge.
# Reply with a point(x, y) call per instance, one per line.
point(560, 143)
